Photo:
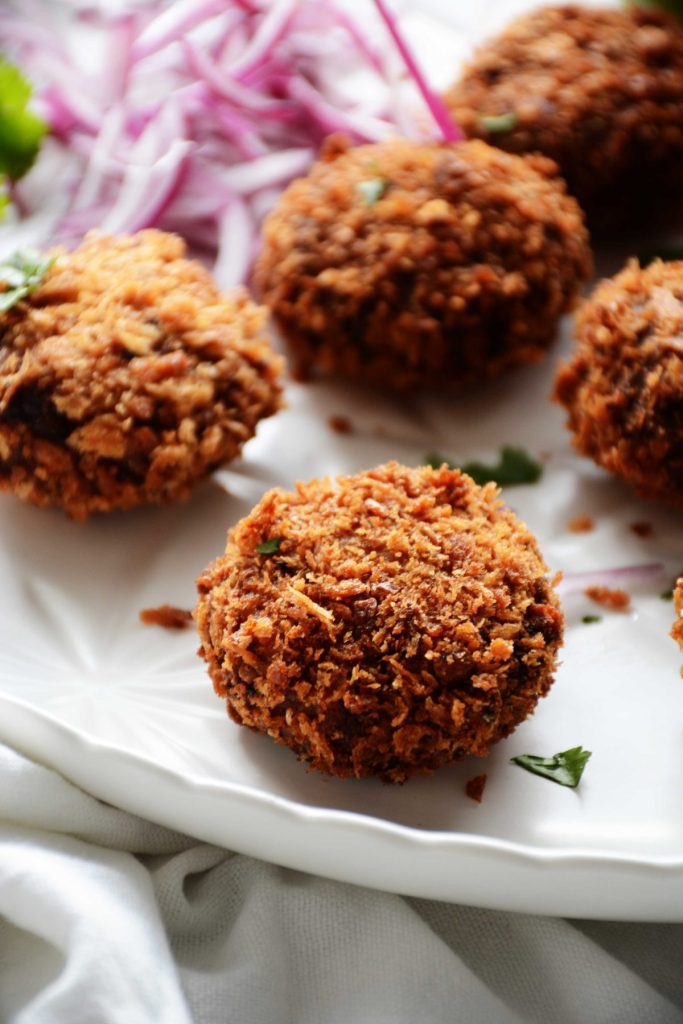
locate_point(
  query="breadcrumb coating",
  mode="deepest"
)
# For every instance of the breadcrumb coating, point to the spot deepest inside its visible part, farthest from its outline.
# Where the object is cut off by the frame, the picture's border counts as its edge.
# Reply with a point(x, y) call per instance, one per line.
point(127, 377)
point(409, 264)
point(598, 90)
point(677, 628)
point(406, 620)
point(623, 388)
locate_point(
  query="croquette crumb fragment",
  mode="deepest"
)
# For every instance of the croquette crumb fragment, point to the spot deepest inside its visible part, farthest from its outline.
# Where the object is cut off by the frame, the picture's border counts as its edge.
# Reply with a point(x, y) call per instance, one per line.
point(475, 787)
point(617, 600)
point(167, 616)
point(340, 424)
point(126, 377)
point(677, 628)
point(456, 272)
point(406, 621)
point(580, 524)
point(623, 387)
point(600, 90)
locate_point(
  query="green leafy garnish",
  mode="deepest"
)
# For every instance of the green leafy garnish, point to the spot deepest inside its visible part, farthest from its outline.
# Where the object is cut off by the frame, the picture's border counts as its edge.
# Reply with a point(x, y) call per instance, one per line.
point(436, 461)
point(21, 273)
point(21, 131)
point(269, 547)
point(590, 619)
point(667, 595)
point(496, 124)
point(665, 251)
point(514, 467)
point(565, 768)
point(372, 189)
point(674, 6)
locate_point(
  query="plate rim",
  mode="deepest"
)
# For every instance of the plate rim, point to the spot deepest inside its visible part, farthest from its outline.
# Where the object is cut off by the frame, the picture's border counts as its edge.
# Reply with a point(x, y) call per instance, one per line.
point(574, 872)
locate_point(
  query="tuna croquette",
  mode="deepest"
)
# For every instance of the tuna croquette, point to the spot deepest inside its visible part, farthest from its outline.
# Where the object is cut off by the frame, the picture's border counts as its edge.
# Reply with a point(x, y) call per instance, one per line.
point(126, 377)
point(623, 387)
point(598, 90)
point(677, 629)
point(382, 624)
point(408, 265)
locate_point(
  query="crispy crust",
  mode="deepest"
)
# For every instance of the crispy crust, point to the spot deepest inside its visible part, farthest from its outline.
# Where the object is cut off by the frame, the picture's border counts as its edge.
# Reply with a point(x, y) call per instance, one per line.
point(126, 377)
point(405, 621)
point(677, 628)
point(599, 91)
point(456, 272)
point(623, 388)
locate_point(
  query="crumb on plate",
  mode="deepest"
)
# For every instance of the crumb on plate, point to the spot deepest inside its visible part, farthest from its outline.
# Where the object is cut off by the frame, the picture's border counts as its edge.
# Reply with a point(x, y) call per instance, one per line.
point(608, 597)
point(475, 787)
point(167, 616)
point(581, 524)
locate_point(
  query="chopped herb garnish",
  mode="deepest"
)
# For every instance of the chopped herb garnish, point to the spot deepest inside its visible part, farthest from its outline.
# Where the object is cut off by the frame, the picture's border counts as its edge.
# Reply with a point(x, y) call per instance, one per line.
point(269, 547)
point(436, 461)
point(21, 273)
point(674, 6)
point(496, 124)
point(372, 189)
point(662, 252)
point(515, 466)
point(21, 131)
point(667, 595)
point(565, 768)
point(590, 619)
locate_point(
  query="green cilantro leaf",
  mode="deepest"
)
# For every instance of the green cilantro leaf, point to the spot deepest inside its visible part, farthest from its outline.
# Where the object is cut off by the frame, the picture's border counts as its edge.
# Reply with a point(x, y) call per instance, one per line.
point(514, 467)
point(436, 461)
point(667, 595)
point(565, 768)
point(496, 124)
point(590, 619)
point(674, 6)
point(21, 273)
point(664, 251)
point(372, 189)
point(21, 131)
point(269, 547)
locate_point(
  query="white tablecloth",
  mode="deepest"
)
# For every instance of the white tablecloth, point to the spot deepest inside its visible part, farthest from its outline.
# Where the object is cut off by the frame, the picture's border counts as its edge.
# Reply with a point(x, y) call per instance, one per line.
point(108, 918)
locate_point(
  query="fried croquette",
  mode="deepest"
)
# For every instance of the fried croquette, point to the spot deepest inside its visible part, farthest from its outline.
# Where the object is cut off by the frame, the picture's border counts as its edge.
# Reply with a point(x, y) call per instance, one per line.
point(126, 377)
point(384, 624)
point(677, 628)
point(407, 265)
point(598, 90)
point(623, 388)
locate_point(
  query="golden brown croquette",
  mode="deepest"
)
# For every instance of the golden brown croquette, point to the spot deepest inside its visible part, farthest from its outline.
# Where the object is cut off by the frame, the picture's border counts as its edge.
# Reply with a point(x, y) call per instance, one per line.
point(409, 264)
point(127, 377)
point(381, 624)
point(598, 90)
point(623, 388)
point(677, 628)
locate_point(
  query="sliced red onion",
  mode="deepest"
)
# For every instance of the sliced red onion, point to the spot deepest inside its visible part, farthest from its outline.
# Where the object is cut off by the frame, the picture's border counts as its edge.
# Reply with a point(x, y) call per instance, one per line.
point(267, 35)
point(174, 22)
point(147, 190)
point(191, 115)
point(234, 248)
point(450, 131)
point(273, 169)
point(625, 576)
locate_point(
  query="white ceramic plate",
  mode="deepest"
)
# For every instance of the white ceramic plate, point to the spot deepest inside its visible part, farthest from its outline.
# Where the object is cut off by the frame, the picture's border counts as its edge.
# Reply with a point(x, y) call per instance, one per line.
point(128, 712)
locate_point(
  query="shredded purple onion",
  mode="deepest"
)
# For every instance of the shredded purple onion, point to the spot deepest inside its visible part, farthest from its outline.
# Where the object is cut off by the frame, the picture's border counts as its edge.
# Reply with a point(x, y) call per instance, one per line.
point(629, 575)
point(193, 115)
